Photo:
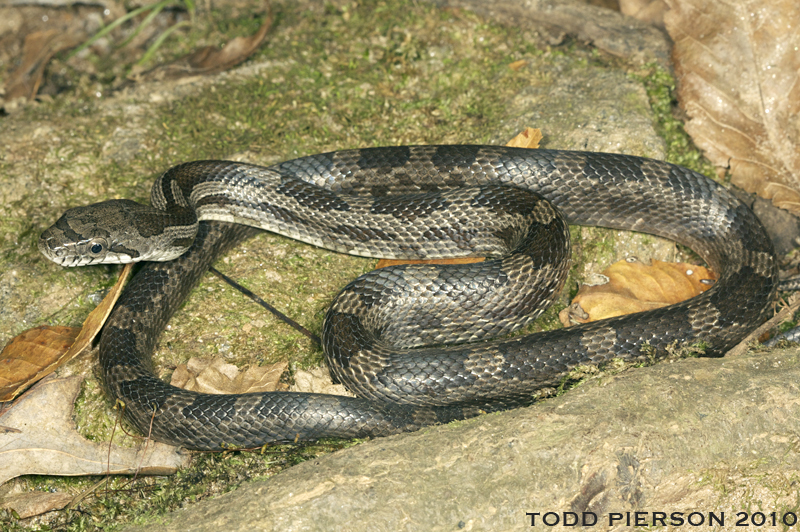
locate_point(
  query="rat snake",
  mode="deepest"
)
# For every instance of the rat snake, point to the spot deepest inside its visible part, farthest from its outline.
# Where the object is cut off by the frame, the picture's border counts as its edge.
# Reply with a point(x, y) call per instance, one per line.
point(413, 202)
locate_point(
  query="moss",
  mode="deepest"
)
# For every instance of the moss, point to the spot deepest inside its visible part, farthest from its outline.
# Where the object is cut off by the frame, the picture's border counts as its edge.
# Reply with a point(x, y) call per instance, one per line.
point(660, 87)
point(583, 373)
point(678, 351)
point(364, 74)
point(367, 73)
point(356, 78)
point(350, 79)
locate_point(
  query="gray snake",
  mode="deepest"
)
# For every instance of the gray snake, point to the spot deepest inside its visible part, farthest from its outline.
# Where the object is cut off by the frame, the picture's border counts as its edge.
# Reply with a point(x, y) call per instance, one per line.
point(357, 202)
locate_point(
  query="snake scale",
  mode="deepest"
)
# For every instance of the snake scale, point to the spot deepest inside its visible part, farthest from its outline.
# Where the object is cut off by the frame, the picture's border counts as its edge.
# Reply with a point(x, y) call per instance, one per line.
point(414, 202)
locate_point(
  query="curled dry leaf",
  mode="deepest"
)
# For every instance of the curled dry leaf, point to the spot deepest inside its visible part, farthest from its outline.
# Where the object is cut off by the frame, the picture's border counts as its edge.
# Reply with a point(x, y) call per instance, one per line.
point(37, 352)
point(636, 287)
point(44, 440)
point(212, 60)
point(738, 65)
point(213, 375)
point(529, 138)
point(317, 380)
point(31, 355)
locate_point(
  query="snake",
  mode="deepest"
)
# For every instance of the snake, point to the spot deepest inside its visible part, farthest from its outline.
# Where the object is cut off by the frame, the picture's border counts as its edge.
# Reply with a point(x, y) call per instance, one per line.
point(423, 344)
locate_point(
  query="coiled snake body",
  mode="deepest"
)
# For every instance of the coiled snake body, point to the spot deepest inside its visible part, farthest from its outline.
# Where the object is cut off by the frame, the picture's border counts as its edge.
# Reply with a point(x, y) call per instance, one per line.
point(358, 202)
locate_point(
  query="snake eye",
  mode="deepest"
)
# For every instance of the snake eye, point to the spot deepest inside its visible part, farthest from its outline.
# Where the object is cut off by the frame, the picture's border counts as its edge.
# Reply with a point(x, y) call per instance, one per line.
point(96, 248)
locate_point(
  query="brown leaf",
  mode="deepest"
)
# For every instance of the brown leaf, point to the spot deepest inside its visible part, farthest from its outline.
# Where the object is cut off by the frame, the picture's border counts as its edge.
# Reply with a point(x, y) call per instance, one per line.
point(458, 260)
point(96, 318)
point(528, 138)
point(37, 352)
point(317, 380)
point(37, 50)
point(31, 355)
point(212, 60)
point(44, 440)
point(213, 375)
point(738, 69)
point(636, 287)
point(36, 503)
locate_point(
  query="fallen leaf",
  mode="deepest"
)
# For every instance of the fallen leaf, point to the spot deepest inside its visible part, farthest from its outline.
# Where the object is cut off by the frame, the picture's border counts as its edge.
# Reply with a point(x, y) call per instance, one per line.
point(96, 318)
point(458, 260)
point(317, 380)
point(631, 286)
point(37, 50)
point(211, 60)
point(528, 138)
point(37, 352)
point(29, 504)
point(738, 71)
point(45, 442)
point(213, 375)
point(31, 355)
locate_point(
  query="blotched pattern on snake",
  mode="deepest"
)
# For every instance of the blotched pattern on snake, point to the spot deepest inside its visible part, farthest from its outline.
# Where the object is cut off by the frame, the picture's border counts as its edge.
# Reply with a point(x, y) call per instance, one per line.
point(413, 202)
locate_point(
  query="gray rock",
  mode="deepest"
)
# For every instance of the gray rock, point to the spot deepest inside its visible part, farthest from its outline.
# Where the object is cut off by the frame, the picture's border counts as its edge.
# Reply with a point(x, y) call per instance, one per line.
point(692, 435)
point(697, 435)
point(608, 30)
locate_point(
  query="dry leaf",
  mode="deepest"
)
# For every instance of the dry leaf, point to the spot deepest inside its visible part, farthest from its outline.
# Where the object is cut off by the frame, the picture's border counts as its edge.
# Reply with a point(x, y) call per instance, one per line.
point(636, 287)
point(212, 60)
point(31, 355)
point(459, 260)
point(317, 380)
point(96, 318)
point(529, 138)
point(29, 504)
point(738, 65)
point(213, 375)
point(37, 50)
point(37, 352)
point(44, 440)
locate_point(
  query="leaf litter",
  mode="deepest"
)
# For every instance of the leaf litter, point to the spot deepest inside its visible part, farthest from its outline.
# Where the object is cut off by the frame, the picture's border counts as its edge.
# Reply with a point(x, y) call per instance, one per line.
point(738, 71)
point(629, 286)
point(37, 352)
point(45, 442)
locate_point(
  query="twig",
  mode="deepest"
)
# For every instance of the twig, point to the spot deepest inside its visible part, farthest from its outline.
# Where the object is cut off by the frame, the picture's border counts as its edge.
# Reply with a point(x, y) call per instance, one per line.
point(792, 305)
point(146, 444)
point(82, 495)
point(283, 317)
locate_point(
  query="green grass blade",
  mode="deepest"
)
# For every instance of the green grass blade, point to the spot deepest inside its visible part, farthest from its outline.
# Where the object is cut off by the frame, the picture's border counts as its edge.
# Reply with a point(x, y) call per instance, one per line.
point(107, 29)
point(152, 50)
point(191, 7)
point(157, 8)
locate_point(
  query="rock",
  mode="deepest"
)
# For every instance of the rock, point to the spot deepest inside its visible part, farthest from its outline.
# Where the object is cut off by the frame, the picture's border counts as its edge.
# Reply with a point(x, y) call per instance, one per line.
point(694, 434)
point(697, 435)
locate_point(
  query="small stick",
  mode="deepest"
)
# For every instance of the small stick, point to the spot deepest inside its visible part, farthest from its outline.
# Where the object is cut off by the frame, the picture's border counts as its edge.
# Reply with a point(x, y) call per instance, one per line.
point(783, 315)
point(283, 317)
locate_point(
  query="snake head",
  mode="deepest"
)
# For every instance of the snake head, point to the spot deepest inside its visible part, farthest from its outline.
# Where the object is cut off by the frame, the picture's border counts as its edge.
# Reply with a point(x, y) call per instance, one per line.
point(116, 232)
